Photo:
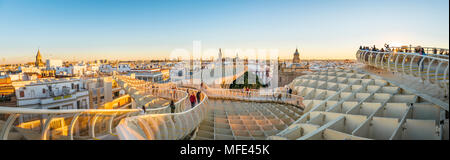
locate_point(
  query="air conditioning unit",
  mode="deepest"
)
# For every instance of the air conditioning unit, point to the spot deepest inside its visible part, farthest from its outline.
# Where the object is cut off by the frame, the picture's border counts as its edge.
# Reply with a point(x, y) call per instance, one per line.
point(66, 90)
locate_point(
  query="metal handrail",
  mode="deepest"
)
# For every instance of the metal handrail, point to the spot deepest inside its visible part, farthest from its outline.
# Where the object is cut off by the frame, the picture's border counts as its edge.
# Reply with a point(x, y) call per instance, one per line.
point(14, 113)
point(253, 95)
point(167, 126)
point(92, 114)
point(435, 72)
point(440, 52)
point(257, 96)
point(142, 124)
point(142, 89)
point(14, 110)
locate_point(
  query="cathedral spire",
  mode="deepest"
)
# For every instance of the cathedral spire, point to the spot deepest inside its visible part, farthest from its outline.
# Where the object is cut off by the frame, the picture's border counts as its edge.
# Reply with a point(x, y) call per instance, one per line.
point(220, 54)
point(296, 56)
point(39, 62)
point(38, 53)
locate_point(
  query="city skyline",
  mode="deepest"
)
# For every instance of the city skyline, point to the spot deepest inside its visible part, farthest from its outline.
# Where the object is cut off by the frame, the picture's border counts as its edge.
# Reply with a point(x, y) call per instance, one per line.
point(84, 30)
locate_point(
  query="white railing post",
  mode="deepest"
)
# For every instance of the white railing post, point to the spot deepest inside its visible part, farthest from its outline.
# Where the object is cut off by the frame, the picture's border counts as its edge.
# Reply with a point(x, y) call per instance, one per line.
point(396, 63)
point(7, 126)
point(110, 130)
point(422, 59)
point(46, 127)
point(411, 64)
point(403, 63)
point(428, 70)
point(92, 126)
point(377, 58)
point(72, 123)
point(434, 62)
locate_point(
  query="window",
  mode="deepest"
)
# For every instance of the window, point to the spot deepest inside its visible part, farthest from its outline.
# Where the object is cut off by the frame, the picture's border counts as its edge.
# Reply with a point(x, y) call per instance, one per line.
point(22, 94)
point(84, 103)
point(43, 90)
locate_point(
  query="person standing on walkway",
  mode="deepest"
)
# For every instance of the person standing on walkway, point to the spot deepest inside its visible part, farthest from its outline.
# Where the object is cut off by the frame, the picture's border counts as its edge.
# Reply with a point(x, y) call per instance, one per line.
point(287, 92)
point(422, 53)
point(174, 93)
point(192, 99)
point(143, 110)
point(153, 90)
point(279, 96)
point(290, 92)
point(248, 91)
point(172, 109)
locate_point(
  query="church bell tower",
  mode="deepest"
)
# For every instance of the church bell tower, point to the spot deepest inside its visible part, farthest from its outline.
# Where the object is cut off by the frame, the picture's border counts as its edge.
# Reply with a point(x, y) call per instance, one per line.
point(296, 57)
point(39, 62)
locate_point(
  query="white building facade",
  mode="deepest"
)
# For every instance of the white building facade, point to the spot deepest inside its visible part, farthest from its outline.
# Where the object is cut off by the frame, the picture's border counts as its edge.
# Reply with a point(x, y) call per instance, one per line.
point(52, 94)
point(54, 63)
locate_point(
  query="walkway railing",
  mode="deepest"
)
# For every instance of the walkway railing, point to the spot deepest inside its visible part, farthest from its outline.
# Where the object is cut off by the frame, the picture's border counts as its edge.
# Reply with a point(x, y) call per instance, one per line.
point(159, 123)
point(257, 96)
point(254, 95)
point(142, 83)
point(24, 123)
point(426, 67)
point(140, 91)
point(59, 124)
point(178, 96)
point(168, 126)
point(431, 51)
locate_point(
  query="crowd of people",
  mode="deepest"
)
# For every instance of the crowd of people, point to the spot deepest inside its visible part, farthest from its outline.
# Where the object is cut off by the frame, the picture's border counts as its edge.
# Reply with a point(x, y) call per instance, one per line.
point(279, 96)
point(410, 49)
point(367, 48)
point(418, 50)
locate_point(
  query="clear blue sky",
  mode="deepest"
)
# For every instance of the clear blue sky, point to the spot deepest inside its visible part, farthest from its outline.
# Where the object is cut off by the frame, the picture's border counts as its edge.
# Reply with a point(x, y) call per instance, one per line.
point(126, 29)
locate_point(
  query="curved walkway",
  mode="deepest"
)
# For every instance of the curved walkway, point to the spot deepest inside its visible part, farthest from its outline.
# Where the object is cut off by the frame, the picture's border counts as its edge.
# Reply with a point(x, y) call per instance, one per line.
point(182, 124)
point(431, 70)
